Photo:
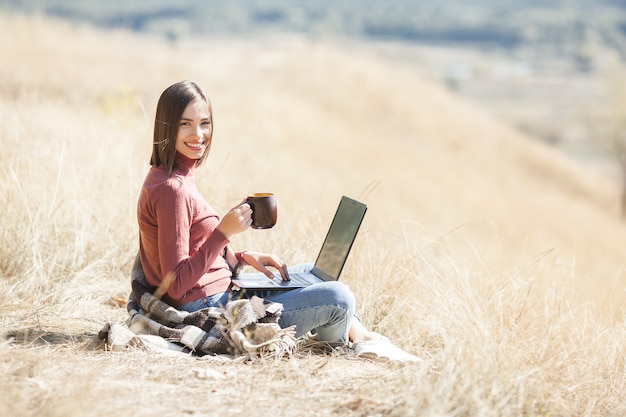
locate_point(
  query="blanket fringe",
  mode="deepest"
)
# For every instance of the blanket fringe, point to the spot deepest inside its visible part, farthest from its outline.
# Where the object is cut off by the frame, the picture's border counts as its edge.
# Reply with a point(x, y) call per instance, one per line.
point(244, 329)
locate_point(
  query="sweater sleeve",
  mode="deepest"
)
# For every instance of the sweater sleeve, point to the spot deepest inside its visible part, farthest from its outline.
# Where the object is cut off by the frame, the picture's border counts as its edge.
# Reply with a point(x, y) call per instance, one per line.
point(174, 213)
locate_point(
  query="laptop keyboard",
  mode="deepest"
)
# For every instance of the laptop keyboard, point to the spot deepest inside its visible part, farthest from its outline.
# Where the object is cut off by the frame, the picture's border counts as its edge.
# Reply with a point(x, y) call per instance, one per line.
point(295, 278)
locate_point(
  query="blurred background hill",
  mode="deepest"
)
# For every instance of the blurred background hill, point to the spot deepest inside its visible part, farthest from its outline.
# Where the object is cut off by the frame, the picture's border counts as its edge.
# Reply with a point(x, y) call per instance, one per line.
point(546, 66)
point(549, 25)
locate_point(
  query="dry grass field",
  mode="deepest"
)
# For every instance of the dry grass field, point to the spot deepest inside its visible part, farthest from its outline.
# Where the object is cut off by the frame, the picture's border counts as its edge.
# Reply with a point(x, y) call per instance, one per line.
point(492, 257)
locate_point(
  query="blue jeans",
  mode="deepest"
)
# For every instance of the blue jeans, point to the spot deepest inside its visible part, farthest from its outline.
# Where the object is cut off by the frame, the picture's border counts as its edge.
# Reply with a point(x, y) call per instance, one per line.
point(327, 307)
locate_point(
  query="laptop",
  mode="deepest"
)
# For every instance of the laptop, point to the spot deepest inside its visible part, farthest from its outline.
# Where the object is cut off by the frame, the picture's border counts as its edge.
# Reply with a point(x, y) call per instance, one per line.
point(330, 260)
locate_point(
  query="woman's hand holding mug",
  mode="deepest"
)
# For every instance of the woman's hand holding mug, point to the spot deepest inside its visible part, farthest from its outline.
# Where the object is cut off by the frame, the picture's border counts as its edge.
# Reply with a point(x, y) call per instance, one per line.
point(237, 220)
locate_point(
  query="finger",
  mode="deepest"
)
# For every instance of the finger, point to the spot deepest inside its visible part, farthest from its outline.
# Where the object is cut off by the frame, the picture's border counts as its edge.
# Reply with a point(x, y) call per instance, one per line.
point(284, 273)
point(260, 267)
point(245, 219)
point(248, 222)
point(280, 266)
point(242, 208)
point(267, 272)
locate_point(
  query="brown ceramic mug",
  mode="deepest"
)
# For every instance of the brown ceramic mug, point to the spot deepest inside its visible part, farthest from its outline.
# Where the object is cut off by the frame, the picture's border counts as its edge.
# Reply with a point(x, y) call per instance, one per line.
point(264, 210)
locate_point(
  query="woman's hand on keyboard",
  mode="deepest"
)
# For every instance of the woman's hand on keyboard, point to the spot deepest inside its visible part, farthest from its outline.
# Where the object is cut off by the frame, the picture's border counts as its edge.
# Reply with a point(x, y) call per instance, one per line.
point(260, 262)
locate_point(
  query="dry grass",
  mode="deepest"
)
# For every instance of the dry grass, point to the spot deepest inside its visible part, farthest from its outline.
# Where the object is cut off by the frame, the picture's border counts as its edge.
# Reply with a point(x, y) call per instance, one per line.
point(493, 258)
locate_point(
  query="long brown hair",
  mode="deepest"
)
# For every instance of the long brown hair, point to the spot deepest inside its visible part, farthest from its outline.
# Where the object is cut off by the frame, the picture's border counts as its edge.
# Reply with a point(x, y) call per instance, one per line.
point(172, 103)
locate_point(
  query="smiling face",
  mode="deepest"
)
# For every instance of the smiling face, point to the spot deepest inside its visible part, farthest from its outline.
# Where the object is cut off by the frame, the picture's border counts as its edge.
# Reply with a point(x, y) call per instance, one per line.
point(195, 129)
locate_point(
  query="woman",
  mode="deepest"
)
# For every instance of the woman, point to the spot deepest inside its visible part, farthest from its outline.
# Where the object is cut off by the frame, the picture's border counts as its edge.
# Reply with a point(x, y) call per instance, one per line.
point(184, 242)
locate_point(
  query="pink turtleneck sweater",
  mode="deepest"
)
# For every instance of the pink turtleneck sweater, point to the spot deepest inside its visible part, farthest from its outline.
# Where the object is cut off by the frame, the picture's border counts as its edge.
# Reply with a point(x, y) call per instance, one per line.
point(177, 235)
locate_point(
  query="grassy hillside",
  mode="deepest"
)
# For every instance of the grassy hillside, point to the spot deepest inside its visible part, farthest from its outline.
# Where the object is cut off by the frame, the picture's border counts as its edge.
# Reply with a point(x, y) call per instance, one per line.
point(484, 252)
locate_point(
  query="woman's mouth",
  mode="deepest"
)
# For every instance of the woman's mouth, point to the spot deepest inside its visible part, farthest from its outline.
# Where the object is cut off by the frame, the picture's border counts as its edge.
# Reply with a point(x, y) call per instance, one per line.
point(196, 146)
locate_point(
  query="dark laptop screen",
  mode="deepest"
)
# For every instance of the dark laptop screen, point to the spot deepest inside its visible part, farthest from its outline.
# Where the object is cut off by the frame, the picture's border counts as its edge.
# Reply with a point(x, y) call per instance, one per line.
point(339, 240)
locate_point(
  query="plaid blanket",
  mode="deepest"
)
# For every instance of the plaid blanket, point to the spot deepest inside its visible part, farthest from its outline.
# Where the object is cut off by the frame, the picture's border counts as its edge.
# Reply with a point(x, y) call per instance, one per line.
point(243, 329)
